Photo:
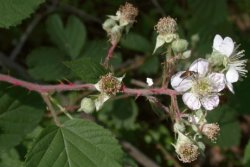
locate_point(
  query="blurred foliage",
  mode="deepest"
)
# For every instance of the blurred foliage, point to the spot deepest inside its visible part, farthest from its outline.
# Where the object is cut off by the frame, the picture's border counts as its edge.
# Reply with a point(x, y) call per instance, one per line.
point(14, 11)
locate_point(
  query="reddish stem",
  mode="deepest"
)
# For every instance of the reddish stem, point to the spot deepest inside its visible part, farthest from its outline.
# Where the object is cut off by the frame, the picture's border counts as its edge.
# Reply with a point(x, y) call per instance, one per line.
point(109, 55)
point(63, 87)
point(175, 106)
point(149, 91)
point(44, 88)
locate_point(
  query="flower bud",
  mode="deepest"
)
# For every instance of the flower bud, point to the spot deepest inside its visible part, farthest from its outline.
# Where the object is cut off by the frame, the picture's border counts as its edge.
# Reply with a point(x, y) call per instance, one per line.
point(211, 131)
point(186, 54)
point(87, 105)
point(217, 59)
point(179, 45)
point(187, 151)
point(166, 25)
point(108, 25)
point(201, 146)
point(179, 127)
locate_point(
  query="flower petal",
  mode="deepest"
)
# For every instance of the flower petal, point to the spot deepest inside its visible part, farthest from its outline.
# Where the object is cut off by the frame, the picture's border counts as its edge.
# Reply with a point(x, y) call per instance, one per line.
point(230, 87)
point(200, 66)
point(192, 101)
point(97, 86)
point(150, 81)
point(121, 78)
point(101, 99)
point(227, 46)
point(232, 75)
point(224, 46)
point(210, 102)
point(218, 81)
point(181, 84)
point(217, 42)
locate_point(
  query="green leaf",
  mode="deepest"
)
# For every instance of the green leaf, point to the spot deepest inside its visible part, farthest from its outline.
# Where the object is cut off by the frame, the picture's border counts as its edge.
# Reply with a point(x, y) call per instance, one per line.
point(151, 66)
point(229, 125)
point(246, 160)
point(10, 159)
point(12, 12)
point(136, 42)
point(96, 49)
point(20, 113)
point(206, 10)
point(77, 143)
point(70, 38)
point(87, 69)
point(45, 63)
point(120, 114)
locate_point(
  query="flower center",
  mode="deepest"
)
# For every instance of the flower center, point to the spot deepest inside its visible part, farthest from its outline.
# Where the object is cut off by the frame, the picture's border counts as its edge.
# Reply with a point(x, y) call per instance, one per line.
point(110, 84)
point(202, 86)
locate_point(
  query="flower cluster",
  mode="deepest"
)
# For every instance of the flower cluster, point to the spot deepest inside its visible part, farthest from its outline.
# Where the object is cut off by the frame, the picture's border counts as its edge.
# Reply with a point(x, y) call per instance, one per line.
point(210, 76)
point(122, 21)
point(201, 86)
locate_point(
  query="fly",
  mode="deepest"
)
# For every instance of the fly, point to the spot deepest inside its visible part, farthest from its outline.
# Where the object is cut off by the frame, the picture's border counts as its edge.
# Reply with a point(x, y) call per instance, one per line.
point(188, 74)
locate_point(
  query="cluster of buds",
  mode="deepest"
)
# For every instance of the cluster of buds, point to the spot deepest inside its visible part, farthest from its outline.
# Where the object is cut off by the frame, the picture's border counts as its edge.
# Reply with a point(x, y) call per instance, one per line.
point(200, 85)
point(122, 21)
point(108, 86)
point(190, 134)
point(166, 29)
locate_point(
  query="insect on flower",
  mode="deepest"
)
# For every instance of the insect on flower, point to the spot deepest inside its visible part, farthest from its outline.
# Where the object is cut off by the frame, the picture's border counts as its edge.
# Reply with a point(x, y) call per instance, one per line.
point(188, 74)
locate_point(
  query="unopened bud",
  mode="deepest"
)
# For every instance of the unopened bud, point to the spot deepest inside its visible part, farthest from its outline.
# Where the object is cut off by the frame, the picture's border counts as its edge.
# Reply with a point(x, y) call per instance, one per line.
point(211, 131)
point(201, 146)
point(108, 25)
point(87, 105)
point(186, 54)
point(179, 45)
point(166, 25)
point(179, 127)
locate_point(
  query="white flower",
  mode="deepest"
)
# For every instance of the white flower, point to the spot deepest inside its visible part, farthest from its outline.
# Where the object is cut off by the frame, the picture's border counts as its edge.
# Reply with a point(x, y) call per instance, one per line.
point(150, 81)
point(201, 88)
point(233, 65)
point(108, 86)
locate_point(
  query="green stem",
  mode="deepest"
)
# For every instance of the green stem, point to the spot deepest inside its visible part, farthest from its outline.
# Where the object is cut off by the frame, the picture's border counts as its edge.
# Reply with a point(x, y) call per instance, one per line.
point(46, 99)
point(61, 108)
point(167, 67)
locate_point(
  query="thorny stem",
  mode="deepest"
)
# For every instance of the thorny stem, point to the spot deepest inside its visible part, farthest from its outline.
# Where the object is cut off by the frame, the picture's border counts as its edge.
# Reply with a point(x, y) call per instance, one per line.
point(46, 99)
point(149, 91)
point(44, 88)
point(175, 107)
point(67, 87)
point(109, 55)
point(167, 68)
